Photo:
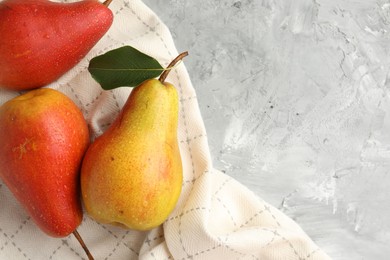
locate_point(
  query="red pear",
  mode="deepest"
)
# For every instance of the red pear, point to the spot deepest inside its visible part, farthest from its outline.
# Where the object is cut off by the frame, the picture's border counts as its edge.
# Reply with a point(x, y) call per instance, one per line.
point(41, 40)
point(43, 139)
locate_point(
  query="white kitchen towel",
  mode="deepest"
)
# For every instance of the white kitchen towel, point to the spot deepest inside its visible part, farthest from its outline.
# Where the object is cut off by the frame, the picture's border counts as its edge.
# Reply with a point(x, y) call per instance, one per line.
point(215, 218)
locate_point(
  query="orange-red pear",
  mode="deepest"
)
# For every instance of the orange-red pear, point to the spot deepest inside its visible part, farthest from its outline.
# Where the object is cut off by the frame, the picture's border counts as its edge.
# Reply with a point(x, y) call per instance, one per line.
point(43, 139)
point(41, 40)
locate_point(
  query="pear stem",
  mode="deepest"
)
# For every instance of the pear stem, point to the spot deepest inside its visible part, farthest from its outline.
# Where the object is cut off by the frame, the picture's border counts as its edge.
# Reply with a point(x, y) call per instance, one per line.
point(164, 75)
point(107, 3)
point(83, 245)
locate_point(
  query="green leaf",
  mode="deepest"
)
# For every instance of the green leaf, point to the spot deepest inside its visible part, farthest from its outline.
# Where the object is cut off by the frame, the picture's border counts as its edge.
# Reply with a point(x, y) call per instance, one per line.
point(125, 66)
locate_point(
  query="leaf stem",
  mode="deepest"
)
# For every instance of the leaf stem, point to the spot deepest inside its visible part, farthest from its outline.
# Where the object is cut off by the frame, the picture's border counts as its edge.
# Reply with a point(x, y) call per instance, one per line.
point(107, 3)
point(164, 75)
point(83, 245)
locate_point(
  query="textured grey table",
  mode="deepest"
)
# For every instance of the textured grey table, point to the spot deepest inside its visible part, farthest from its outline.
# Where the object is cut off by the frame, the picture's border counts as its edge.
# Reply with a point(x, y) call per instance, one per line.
point(295, 96)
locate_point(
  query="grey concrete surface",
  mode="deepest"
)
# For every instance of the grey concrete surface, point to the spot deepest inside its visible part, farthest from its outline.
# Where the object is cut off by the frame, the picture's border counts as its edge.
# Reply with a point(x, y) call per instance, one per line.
point(295, 97)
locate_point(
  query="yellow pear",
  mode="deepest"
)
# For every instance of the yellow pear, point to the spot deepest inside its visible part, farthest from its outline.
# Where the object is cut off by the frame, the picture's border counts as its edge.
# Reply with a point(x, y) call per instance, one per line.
point(132, 174)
